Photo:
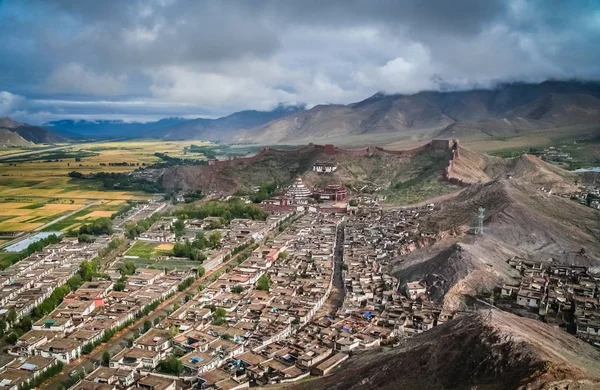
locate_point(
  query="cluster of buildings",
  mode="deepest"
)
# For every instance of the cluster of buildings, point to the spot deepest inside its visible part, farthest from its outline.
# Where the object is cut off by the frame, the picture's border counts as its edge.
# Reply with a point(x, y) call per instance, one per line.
point(271, 318)
point(138, 212)
point(299, 194)
point(589, 196)
point(27, 283)
point(555, 154)
point(238, 233)
point(377, 309)
point(85, 315)
point(255, 323)
point(560, 294)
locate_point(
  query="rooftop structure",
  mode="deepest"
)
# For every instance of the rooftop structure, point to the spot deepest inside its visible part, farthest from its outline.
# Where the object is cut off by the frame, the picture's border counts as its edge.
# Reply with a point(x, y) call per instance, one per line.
point(324, 167)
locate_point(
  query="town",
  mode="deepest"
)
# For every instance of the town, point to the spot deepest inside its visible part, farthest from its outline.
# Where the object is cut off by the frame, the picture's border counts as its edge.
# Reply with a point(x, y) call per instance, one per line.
point(295, 294)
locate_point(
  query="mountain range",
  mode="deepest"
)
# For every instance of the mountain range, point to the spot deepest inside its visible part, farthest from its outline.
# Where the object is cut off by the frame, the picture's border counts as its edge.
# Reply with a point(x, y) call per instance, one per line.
point(508, 109)
point(504, 111)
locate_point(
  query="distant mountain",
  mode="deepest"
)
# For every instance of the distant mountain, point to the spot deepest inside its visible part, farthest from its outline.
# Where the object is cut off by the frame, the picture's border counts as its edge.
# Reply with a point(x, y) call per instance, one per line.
point(222, 129)
point(112, 128)
point(23, 132)
point(507, 109)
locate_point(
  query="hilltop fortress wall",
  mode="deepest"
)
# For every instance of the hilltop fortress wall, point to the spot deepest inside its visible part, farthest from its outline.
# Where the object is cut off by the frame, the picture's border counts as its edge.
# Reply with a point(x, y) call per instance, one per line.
point(332, 150)
point(449, 171)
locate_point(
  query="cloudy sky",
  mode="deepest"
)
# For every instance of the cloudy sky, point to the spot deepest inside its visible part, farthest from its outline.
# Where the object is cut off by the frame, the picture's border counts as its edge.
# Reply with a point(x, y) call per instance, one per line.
point(143, 60)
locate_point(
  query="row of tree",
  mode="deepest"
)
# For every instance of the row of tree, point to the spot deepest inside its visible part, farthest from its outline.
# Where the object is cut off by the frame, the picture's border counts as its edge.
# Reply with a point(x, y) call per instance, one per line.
point(134, 229)
point(233, 208)
point(97, 227)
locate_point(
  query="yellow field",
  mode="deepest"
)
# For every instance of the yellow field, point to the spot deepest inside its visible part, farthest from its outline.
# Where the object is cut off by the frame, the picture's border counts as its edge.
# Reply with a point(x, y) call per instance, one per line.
point(164, 247)
point(97, 214)
point(60, 207)
point(15, 212)
point(15, 216)
point(114, 202)
point(9, 226)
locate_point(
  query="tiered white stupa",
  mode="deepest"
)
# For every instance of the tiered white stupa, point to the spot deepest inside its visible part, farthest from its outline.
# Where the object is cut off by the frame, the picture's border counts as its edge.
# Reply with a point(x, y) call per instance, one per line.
point(298, 190)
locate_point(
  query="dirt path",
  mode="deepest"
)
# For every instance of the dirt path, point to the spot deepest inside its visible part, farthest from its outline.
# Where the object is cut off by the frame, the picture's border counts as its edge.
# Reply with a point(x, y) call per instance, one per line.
point(434, 200)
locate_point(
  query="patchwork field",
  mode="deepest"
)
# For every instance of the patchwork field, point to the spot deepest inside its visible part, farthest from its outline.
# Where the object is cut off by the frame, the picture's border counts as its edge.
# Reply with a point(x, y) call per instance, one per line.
point(25, 216)
point(101, 209)
point(35, 189)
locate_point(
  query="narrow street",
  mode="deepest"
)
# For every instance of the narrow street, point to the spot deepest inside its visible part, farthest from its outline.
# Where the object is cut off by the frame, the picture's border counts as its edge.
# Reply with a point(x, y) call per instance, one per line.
point(336, 297)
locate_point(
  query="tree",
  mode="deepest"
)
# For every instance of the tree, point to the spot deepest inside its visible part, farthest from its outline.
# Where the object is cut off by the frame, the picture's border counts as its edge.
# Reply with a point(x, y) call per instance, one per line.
point(12, 338)
point(85, 238)
point(119, 285)
point(3, 326)
point(237, 289)
point(127, 268)
point(179, 227)
point(201, 271)
point(282, 256)
point(171, 365)
point(264, 283)
point(87, 270)
point(147, 326)
point(214, 239)
point(106, 358)
point(11, 316)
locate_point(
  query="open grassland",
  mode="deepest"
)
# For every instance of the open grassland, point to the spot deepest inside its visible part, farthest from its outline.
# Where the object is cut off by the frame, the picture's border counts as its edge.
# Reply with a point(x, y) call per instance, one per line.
point(540, 138)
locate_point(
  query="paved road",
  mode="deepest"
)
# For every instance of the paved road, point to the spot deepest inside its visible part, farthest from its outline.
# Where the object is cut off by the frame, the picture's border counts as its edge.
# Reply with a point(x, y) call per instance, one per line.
point(38, 229)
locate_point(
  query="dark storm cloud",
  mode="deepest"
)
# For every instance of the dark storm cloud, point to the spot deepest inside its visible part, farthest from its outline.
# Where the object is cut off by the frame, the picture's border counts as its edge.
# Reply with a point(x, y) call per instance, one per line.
point(212, 57)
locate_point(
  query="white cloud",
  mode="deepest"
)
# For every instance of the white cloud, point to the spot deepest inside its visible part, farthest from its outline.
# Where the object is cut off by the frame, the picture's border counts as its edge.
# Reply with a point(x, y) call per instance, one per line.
point(9, 102)
point(75, 78)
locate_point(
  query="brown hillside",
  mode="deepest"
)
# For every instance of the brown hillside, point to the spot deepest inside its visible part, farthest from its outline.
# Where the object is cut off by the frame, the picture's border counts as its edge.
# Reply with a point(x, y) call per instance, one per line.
point(11, 139)
point(481, 350)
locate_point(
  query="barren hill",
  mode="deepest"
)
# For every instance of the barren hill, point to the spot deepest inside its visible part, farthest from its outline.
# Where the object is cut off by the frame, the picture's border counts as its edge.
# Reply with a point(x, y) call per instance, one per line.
point(522, 219)
point(356, 168)
point(480, 350)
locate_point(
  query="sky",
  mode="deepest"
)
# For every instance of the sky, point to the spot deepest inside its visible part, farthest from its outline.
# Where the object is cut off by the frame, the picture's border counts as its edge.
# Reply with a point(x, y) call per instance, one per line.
point(144, 60)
